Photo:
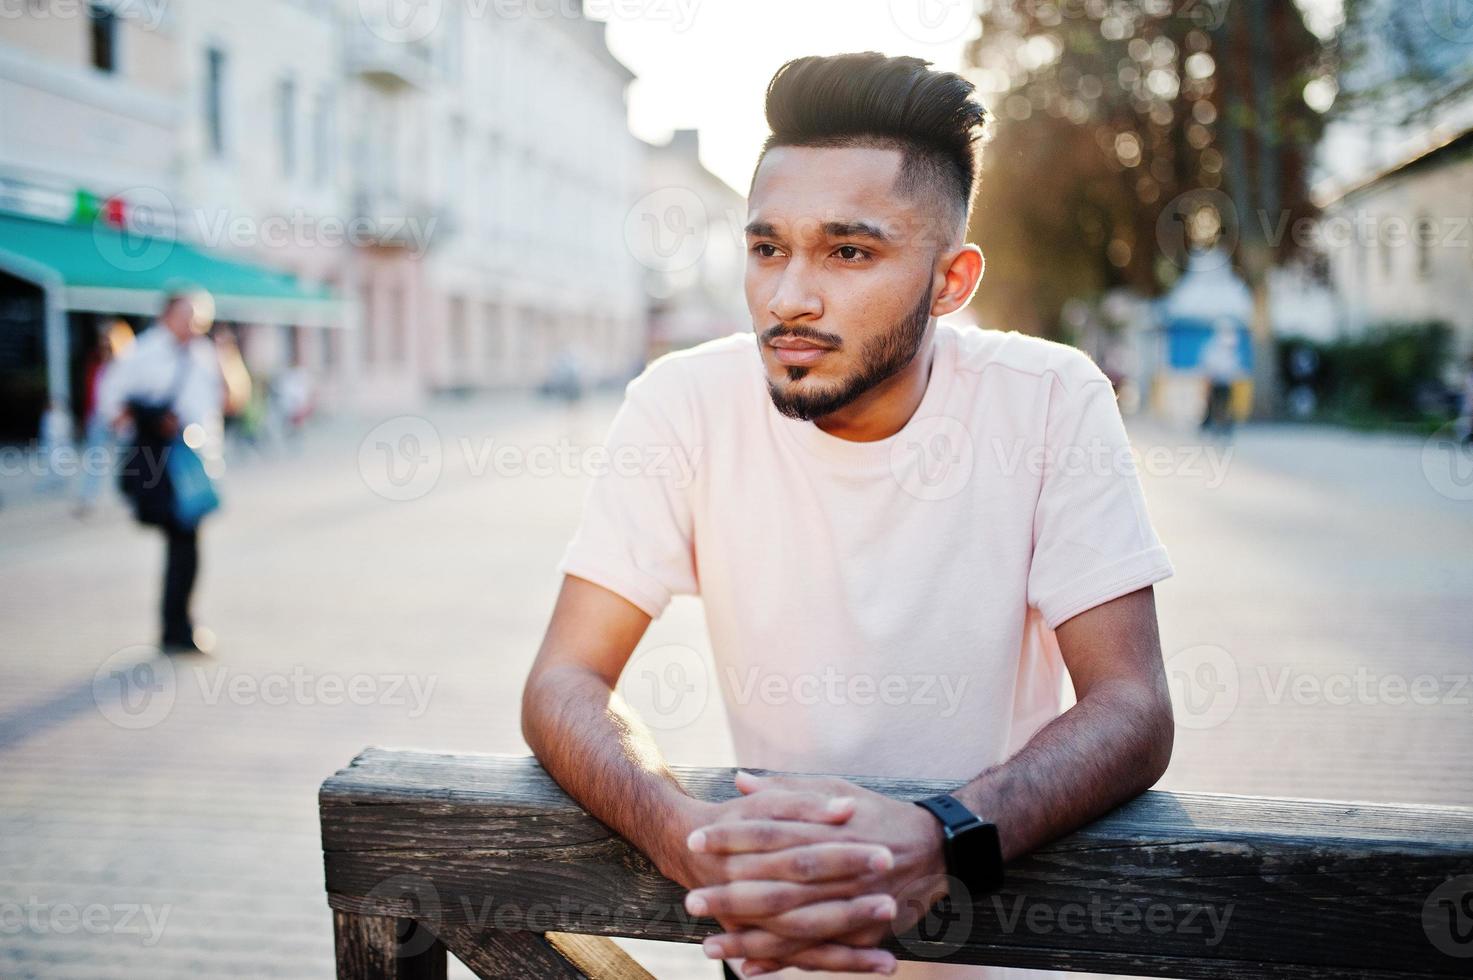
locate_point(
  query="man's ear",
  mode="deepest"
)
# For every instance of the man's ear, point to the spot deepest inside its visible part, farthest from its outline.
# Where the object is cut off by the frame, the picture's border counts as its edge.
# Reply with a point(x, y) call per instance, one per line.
point(960, 279)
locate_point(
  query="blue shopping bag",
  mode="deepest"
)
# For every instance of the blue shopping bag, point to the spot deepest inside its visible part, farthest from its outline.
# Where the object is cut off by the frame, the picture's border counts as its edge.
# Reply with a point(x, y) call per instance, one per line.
point(193, 490)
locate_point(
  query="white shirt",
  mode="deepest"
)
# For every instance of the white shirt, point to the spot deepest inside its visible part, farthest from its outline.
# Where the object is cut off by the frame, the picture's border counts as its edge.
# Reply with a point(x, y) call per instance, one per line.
point(883, 608)
point(150, 370)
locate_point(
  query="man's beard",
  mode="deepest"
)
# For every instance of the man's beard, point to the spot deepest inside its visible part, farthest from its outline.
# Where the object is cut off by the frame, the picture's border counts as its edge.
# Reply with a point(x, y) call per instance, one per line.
point(882, 358)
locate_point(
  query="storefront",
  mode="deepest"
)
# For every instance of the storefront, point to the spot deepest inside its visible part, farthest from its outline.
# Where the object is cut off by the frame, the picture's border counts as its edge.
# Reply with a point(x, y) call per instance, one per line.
point(62, 282)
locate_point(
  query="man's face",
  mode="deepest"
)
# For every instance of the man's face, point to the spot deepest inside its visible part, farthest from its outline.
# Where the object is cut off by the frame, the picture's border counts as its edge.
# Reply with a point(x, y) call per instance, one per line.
point(839, 274)
point(178, 318)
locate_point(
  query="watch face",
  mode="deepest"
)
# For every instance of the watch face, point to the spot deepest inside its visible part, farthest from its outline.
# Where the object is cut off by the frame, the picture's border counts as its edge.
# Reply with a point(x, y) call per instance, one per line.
point(976, 859)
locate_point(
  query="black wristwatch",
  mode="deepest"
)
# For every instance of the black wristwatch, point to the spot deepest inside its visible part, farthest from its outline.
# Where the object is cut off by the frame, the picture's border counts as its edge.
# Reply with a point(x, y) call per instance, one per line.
point(973, 852)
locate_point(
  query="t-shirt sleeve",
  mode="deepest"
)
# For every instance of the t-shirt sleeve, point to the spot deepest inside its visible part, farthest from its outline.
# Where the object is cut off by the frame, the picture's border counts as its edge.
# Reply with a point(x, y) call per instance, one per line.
point(635, 537)
point(1092, 538)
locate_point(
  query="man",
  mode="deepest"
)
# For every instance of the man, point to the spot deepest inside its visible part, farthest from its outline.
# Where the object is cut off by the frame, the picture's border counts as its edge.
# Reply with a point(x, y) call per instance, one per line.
point(884, 508)
point(172, 366)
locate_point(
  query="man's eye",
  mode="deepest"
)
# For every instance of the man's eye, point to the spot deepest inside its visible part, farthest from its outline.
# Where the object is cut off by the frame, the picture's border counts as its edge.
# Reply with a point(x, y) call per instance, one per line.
point(765, 249)
point(851, 253)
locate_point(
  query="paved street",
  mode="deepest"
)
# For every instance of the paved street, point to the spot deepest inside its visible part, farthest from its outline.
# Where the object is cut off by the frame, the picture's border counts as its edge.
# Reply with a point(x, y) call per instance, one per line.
point(1316, 629)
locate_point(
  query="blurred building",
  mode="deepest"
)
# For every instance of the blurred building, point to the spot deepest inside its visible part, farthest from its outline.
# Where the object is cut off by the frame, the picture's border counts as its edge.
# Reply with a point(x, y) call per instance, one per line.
point(1401, 243)
point(688, 233)
point(91, 145)
point(456, 185)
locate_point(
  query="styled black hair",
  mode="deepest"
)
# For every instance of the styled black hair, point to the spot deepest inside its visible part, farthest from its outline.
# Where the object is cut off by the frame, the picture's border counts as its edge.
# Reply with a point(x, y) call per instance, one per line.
point(868, 99)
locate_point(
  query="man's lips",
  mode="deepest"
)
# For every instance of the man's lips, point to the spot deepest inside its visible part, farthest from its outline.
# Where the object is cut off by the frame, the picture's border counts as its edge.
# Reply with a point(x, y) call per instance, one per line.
point(796, 350)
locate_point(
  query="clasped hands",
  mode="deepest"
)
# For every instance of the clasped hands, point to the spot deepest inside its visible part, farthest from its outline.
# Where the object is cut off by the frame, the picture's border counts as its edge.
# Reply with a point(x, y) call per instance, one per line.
point(809, 872)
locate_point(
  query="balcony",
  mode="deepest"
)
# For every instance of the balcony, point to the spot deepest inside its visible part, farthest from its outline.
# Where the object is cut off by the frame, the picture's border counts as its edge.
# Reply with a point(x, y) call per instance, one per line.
point(390, 58)
point(392, 220)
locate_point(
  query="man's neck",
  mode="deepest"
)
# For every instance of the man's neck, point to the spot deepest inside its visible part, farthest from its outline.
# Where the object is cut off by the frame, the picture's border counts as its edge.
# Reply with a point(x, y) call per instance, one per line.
point(883, 410)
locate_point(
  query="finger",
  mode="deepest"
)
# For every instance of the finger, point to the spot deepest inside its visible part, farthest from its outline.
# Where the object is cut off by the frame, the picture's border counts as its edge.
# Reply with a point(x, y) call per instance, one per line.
point(828, 956)
point(743, 836)
point(810, 863)
point(746, 900)
point(828, 785)
point(786, 804)
point(763, 943)
point(819, 921)
point(867, 938)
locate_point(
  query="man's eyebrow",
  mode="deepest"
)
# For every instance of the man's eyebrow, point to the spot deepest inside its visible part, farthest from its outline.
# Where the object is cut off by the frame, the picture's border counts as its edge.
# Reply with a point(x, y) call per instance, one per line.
point(832, 229)
point(855, 229)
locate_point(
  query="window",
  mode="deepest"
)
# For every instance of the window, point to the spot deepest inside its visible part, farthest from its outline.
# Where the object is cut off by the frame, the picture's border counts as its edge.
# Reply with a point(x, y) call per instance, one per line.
point(215, 101)
point(398, 327)
point(1426, 233)
point(104, 30)
point(286, 126)
point(323, 139)
point(366, 306)
point(494, 353)
point(459, 342)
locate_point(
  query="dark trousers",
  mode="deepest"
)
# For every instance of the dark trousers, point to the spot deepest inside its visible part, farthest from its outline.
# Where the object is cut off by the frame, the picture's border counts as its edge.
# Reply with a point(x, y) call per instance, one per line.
point(180, 568)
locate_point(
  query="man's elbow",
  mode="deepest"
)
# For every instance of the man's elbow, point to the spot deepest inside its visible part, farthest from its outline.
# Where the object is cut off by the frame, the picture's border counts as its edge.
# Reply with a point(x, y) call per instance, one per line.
point(1158, 727)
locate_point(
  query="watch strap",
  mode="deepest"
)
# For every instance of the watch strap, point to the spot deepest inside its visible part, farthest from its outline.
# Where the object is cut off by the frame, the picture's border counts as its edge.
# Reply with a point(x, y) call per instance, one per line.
point(952, 813)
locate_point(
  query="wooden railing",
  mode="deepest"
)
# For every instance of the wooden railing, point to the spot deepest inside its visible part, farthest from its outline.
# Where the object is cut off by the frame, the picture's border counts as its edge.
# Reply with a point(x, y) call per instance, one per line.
point(485, 856)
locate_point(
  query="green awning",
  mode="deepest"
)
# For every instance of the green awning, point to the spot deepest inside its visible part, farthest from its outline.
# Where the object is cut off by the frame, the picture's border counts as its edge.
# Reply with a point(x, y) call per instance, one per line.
point(98, 268)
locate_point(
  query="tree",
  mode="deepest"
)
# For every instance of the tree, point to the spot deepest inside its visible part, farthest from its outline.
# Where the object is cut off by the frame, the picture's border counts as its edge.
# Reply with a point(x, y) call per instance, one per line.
point(1126, 131)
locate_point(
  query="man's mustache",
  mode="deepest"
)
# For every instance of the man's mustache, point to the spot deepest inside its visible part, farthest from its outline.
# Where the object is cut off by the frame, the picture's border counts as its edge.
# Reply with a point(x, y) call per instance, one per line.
point(801, 332)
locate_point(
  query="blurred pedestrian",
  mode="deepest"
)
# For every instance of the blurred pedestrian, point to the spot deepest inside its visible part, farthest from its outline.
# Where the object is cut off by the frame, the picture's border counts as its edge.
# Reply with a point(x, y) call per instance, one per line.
point(291, 402)
point(98, 430)
point(170, 384)
point(1222, 365)
point(1464, 426)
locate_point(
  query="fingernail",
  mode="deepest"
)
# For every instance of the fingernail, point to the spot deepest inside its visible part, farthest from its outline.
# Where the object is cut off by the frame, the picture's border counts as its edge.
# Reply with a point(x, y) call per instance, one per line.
point(711, 948)
point(752, 971)
point(882, 860)
point(839, 804)
point(883, 909)
point(696, 841)
point(696, 905)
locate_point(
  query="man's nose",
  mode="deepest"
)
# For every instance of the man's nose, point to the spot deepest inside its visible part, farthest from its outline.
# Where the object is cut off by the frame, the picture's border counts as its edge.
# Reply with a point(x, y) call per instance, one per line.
point(795, 297)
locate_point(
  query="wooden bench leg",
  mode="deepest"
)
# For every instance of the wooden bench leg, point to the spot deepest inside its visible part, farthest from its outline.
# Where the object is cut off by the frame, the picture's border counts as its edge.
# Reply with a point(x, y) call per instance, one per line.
point(377, 947)
point(498, 954)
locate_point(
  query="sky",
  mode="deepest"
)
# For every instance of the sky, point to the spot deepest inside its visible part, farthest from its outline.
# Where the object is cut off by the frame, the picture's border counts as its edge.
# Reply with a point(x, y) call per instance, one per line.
point(705, 64)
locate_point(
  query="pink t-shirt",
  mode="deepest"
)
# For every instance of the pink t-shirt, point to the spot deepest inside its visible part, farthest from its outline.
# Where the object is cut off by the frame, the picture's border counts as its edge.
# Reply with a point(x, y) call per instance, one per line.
point(883, 608)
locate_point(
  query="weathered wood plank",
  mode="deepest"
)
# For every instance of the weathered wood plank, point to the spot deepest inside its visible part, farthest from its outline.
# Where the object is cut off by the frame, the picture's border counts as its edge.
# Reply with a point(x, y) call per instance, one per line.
point(376, 947)
point(494, 954)
point(1183, 885)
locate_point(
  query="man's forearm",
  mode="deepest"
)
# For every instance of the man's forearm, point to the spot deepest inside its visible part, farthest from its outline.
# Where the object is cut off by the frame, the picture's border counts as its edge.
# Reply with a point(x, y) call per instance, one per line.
point(603, 755)
point(1111, 746)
